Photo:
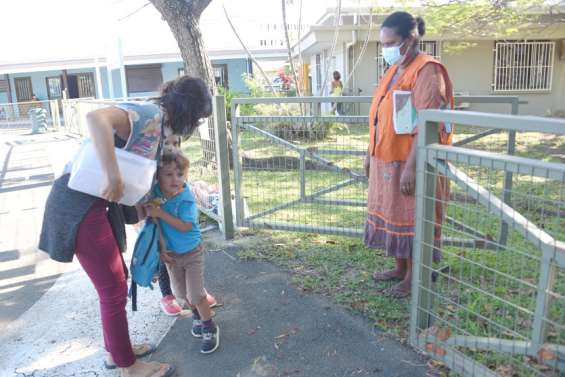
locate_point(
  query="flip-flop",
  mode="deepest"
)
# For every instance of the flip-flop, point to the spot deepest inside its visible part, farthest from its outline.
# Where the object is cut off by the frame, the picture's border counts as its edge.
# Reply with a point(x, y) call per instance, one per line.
point(150, 349)
point(385, 276)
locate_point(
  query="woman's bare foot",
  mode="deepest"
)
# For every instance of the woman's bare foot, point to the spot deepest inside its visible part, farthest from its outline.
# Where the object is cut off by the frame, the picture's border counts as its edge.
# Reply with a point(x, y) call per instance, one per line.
point(388, 275)
point(147, 369)
point(399, 290)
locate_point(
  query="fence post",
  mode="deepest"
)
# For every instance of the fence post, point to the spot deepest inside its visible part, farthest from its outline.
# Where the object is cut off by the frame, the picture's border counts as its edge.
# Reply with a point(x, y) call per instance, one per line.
point(423, 245)
point(302, 175)
point(545, 283)
point(507, 187)
point(236, 164)
point(223, 166)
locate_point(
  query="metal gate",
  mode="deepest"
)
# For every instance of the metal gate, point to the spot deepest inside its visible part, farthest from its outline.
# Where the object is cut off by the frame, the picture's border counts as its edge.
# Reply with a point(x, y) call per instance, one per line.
point(299, 170)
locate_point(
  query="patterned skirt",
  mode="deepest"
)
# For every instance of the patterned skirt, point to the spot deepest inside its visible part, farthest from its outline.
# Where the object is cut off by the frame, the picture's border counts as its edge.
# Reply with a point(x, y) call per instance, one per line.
point(391, 214)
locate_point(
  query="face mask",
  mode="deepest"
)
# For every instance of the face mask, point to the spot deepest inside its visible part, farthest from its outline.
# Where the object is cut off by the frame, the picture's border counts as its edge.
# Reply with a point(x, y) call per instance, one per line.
point(392, 55)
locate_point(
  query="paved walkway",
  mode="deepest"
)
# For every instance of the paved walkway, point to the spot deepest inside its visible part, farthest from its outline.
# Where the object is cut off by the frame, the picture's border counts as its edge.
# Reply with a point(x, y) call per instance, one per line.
point(25, 178)
point(49, 321)
point(270, 329)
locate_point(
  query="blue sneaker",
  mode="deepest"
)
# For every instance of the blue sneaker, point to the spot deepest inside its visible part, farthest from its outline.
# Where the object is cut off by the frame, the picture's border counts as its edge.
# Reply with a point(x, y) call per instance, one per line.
point(196, 329)
point(210, 339)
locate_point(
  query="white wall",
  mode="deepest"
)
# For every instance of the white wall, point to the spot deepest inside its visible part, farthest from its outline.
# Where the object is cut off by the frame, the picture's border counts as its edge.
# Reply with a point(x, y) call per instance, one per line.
point(471, 71)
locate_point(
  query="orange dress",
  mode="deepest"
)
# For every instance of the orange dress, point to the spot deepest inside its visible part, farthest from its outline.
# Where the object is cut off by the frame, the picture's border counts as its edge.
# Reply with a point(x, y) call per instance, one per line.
point(391, 214)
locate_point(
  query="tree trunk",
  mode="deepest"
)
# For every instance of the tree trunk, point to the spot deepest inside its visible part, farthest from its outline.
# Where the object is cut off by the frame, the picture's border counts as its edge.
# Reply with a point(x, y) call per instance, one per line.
point(183, 18)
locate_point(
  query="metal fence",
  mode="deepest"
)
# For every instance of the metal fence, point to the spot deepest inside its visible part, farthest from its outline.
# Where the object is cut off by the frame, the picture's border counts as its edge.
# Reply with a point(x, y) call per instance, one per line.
point(19, 115)
point(298, 169)
point(207, 151)
point(494, 308)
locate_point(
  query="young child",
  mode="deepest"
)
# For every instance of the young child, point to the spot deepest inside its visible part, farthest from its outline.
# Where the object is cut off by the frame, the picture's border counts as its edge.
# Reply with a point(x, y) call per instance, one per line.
point(178, 218)
point(168, 302)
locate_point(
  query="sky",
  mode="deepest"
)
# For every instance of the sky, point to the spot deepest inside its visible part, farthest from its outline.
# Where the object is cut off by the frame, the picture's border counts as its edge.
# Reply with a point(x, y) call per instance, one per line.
point(43, 30)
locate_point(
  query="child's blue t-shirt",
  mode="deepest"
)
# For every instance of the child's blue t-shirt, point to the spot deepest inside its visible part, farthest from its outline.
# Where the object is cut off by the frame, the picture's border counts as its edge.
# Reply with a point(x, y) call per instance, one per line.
point(182, 206)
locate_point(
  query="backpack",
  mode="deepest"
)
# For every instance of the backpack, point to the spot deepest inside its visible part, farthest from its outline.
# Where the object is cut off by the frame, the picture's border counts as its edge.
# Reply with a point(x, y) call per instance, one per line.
point(145, 260)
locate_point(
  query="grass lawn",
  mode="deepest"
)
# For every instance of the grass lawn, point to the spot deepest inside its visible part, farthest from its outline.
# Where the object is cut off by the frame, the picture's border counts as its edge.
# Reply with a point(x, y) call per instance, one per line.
point(484, 293)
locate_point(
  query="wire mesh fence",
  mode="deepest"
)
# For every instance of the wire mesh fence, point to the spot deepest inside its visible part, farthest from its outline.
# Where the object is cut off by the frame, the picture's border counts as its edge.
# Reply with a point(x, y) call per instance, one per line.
point(298, 169)
point(491, 308)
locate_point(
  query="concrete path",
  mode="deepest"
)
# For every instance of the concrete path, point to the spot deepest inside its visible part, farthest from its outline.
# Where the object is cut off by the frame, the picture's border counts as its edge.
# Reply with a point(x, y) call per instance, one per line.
point(25, 178)
point(270, 329)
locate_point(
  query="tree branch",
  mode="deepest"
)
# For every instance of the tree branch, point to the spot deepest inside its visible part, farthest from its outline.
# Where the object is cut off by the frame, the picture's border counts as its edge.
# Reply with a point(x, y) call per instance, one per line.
point(265, 77)
point(290, 60)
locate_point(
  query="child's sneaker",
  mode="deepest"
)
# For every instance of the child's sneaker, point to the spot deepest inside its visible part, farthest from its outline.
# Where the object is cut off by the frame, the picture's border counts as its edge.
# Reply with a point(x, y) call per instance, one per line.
point(170, 306)
point(210, 339)
point(196, 329)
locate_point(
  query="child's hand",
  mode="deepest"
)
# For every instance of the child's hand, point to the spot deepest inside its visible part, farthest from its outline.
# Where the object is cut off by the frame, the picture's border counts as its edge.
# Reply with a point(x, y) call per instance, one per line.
point(166, 257)
point(153, 210)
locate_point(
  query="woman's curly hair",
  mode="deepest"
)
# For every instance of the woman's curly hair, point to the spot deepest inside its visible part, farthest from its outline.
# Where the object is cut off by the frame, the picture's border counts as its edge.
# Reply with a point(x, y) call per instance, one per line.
point(186, 100)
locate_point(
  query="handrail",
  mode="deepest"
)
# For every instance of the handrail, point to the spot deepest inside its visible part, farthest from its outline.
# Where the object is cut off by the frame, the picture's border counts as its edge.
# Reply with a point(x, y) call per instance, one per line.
point(500, 121)
point(344, 99)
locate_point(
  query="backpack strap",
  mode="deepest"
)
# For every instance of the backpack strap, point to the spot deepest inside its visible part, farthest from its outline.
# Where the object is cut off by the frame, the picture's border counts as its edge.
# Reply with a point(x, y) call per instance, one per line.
point(162, 240)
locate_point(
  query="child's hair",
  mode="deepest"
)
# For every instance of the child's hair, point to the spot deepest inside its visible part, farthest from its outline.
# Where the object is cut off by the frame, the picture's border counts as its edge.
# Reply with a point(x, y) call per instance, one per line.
point(174, 156)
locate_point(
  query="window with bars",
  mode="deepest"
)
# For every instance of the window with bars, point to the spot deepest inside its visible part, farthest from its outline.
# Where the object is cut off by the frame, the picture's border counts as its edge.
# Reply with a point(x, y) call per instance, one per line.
point(432, 48)
point(523, 66)
point(54, 87)
point(86, 86)
point(221, 75)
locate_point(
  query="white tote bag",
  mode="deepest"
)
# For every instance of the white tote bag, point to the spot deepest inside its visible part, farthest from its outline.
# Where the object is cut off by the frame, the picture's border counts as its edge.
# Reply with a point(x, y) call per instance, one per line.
point(87, 174)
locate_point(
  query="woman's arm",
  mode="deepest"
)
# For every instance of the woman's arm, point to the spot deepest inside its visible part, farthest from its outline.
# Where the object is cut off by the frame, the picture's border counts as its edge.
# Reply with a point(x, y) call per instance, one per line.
point(428, 93)
point(367, 164)
point(153, 210)
point(101, 124)
point(408, 176)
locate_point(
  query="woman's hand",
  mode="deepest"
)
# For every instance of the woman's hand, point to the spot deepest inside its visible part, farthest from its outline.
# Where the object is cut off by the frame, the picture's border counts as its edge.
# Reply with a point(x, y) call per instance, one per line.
point(367, 165)
point(114, 191)
point(153, 210)
point(408, 180)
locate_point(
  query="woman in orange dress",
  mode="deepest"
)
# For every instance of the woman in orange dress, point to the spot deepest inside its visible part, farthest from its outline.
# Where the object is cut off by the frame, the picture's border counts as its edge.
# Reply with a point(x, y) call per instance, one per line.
point(391, 158)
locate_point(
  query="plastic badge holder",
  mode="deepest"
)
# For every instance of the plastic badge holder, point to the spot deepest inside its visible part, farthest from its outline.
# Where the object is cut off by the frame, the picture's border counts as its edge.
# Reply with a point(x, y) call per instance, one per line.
point(405, 115)
point(87, 175)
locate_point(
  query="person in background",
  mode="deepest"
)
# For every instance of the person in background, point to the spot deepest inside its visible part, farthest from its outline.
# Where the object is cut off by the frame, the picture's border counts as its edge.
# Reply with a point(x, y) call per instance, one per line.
point(390, 164)
point(336, 90)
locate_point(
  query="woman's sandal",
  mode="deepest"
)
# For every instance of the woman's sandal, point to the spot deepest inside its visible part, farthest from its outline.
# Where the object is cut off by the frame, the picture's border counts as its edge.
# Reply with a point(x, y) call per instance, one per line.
point(153, 369)
point(140, 350)
point(386, 276)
